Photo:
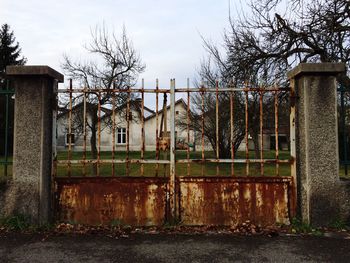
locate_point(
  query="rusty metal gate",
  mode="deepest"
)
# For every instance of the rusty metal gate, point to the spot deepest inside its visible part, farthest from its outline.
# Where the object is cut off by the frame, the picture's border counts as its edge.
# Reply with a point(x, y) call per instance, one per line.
point(139, 173)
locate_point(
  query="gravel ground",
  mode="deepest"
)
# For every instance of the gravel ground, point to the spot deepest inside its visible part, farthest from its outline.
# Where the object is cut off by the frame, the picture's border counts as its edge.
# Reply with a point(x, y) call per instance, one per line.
point(16, 247)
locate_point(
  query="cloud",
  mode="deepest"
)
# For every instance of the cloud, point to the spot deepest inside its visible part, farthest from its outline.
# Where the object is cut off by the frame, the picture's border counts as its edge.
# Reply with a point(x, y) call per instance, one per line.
point(166, 33)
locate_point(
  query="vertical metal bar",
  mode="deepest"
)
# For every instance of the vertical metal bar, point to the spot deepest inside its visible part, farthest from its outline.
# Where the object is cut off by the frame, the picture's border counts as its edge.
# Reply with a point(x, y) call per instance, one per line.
point(343, 116)
point(52, 181)
point(172, 151)
point(142, 126)
point(157, 126)
point(231, 133)
point(113, 128)
point(127, 131)
point(246, 133)
point(276, 133)
point(6, 127)
point(84, 132)
point(261, 133)
point(54, 138)
point(217, 125)
point(98, 132)
point(70, 127)
point(293, 147)
point(165, 127)
point(202, 118)
point(188, 128)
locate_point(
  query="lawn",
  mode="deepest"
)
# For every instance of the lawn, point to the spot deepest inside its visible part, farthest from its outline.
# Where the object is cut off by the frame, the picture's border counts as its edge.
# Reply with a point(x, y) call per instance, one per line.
point(195, 169)
point(2, 168)
point(209, 169)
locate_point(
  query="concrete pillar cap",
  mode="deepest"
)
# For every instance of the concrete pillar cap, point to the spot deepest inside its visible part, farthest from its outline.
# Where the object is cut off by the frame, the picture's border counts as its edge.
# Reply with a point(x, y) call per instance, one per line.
point(34, 71)
point(320, 68)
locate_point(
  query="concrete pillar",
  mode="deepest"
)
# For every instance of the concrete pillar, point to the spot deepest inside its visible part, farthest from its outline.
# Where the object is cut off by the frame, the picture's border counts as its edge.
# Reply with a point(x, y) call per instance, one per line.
point(317, 160)
point(35, 100)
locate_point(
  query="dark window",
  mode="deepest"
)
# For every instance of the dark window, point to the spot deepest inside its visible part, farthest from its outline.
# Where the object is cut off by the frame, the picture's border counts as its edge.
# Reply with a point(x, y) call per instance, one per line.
point(121, 135)
point(70, 138)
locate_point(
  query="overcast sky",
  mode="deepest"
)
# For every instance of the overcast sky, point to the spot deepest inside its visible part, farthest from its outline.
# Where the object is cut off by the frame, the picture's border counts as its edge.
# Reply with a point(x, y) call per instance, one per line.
point(166, 33)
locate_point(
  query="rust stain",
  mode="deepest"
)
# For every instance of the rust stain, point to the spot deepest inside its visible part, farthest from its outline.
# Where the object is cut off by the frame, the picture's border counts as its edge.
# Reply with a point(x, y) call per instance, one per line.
point(234, 200)
point(141, 201)
point(134, 201)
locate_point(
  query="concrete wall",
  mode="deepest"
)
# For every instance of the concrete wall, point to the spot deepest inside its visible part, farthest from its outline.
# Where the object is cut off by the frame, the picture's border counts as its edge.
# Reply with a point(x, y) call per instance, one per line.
point(29, 192)
point(322, 197)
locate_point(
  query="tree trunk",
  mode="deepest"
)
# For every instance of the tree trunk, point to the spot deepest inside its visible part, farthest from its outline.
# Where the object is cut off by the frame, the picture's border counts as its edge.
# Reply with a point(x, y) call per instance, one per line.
point(94, 120)
point(255, 137)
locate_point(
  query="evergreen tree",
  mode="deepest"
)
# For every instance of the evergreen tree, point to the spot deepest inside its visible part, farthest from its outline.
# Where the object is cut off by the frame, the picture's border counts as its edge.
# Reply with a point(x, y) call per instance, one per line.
point(10, 52)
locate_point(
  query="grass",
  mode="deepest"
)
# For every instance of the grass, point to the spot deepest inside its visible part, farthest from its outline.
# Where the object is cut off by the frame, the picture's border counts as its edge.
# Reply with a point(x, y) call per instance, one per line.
point(300, 227)
point(342, 173)
point(195, 169)
point(2, 169)
point(181, 169)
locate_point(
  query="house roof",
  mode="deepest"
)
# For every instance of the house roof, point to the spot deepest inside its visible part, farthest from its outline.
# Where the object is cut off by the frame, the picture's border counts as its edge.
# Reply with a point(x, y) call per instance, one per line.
point(179, 101)
point(136, 104)
point(63, 111)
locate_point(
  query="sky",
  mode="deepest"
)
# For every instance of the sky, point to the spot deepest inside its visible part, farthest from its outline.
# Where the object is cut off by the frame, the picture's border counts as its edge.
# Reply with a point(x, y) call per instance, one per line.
point(167, 34)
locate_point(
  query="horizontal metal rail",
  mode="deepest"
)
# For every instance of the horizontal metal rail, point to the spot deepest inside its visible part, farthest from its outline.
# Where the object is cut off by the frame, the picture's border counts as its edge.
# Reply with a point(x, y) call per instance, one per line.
point(106, 161)
point(143, 161)
point(7, 92)
point(178, 90)
point(6, 162)
point(233, 161)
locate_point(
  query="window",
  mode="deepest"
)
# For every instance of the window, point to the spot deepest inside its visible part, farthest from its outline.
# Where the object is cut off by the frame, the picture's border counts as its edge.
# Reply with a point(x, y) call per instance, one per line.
point(121, 135)
point(177, 112)
point(72, 138)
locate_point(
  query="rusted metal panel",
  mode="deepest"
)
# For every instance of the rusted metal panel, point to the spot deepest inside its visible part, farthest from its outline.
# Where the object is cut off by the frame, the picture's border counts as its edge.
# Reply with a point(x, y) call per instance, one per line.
point(234, 200)
point(138, 201)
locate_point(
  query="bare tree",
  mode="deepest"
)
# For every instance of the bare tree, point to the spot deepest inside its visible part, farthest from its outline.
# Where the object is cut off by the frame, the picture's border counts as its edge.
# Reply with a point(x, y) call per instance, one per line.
point(269, 43)
point(114, 63)
point(261, 47)
point(203, 107)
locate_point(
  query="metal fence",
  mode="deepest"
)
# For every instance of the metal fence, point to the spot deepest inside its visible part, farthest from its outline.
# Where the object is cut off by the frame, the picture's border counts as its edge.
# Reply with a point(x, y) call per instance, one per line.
point(343, 128)
point(241, 188)
point(266, 99)
point(6, 127)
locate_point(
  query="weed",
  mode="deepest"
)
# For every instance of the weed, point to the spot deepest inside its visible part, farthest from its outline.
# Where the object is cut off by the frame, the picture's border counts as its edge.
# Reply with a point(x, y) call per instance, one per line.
point(339, 224)
point(298, 226)
point(18, 222)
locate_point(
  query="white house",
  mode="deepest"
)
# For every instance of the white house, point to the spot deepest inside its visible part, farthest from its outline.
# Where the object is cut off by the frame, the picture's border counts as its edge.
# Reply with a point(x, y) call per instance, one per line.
point(106, 136)
point(135, 129)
